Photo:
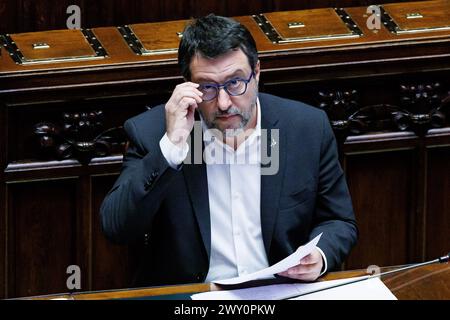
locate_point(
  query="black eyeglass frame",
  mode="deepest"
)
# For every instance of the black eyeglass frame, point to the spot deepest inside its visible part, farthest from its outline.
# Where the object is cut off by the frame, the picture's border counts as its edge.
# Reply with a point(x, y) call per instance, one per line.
point(224, 86)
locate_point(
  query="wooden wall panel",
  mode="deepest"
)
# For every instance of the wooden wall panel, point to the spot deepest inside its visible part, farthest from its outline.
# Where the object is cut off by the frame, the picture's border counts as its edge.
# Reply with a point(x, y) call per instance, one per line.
point(381, 188)
point(3, 204)
point(37, 15)
point(39, 253)
point(8, 15)
point(28, 15)
point(239, 8)
point(109, 12)
point(438, 204)
point(112, 264)
point(3, 233)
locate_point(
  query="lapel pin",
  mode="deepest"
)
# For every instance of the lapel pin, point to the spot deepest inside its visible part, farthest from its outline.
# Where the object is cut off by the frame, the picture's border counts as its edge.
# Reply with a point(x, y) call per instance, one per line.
point(273, 143)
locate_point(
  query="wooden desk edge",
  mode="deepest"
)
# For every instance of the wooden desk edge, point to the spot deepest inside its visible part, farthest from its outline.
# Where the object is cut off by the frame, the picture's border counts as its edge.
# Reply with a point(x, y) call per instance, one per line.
point(203, 287)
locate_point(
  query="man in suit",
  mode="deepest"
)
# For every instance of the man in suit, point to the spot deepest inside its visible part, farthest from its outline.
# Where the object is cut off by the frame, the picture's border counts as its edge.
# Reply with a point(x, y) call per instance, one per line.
point(220, 218)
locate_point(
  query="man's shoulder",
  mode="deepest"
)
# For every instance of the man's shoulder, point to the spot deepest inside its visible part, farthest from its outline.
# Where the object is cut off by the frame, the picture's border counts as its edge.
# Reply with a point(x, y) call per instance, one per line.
point(154, 114)
point(148, 123)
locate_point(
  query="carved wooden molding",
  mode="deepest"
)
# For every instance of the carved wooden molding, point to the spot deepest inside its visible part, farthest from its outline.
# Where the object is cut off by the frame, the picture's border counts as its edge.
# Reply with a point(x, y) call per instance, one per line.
point(420, 108)
point(80, 135)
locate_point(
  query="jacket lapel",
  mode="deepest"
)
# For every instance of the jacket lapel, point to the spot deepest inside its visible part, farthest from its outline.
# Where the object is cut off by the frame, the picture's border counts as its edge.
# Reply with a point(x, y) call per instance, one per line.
point(270, 184)
point(197, 185)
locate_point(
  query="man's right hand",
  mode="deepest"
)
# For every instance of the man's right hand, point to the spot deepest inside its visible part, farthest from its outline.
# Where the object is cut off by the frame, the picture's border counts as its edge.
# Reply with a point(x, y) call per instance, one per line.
point(180, 111)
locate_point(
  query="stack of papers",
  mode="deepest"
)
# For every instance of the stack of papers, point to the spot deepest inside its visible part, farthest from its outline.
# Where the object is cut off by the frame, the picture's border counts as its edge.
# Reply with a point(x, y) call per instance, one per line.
point(370, 289)
point(367, 289)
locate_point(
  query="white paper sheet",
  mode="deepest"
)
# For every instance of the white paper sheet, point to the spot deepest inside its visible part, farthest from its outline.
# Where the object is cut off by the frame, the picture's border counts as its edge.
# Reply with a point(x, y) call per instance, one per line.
point(278, 267)
point(371, 289)
point(271, 292)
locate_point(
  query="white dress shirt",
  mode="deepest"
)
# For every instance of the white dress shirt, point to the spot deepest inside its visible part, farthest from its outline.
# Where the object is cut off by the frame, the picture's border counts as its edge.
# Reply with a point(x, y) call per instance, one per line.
point(234, 191)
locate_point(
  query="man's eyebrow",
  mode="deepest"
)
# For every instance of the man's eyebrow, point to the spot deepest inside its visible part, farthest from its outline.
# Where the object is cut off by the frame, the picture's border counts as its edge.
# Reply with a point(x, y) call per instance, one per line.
point(236, 73)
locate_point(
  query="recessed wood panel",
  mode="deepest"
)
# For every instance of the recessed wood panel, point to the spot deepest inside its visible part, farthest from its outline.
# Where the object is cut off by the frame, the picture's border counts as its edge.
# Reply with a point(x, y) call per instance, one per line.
point(423, 16)
point(112, 266)
point(3, 233)
point(42, 239)
point(381, 186)
point(60, 44)
point(438, 204)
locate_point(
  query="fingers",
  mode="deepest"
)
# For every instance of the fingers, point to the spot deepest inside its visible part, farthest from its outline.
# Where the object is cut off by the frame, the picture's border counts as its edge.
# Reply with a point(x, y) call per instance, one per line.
point(308, 269)
point(184, 105)
point(187, 89)
point(184, 96)
point(302, 277)
point(301, 269)
point(180, 111)
point(303, 272)
point(310, 259)
point(196, 95)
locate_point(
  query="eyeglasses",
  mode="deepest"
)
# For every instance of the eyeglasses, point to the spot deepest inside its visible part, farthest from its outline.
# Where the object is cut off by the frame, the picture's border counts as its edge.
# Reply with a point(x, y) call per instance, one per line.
point(234, 87)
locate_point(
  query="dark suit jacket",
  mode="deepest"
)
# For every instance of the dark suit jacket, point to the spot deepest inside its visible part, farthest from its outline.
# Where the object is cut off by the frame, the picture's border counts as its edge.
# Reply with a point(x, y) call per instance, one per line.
point(307, 196)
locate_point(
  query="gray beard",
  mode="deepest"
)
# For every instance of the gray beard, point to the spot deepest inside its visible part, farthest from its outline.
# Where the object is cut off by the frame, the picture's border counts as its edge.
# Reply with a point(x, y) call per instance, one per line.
point(227, 133)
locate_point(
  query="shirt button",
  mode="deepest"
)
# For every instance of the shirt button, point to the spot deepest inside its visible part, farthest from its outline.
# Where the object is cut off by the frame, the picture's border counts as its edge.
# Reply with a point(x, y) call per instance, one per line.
point(199, 276)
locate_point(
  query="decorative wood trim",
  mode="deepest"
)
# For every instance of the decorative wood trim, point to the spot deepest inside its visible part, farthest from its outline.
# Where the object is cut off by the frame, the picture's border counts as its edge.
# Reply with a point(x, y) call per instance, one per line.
point(422, 107)
point(80, 136)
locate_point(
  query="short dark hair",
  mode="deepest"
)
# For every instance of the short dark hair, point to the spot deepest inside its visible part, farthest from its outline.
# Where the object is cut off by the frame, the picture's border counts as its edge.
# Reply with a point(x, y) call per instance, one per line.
point(212, 36)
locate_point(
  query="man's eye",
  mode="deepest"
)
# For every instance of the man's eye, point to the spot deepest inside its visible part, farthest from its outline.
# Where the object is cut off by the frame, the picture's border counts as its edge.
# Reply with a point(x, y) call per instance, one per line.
point(207, 88)
point(234, 82)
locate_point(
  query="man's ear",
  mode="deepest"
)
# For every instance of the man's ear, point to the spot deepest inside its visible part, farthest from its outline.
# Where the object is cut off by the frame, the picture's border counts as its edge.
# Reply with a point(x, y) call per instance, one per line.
point(257, 71)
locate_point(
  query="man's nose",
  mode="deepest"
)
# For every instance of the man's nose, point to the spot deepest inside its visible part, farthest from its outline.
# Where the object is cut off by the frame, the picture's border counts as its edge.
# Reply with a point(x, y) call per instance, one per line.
point(223, 100)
